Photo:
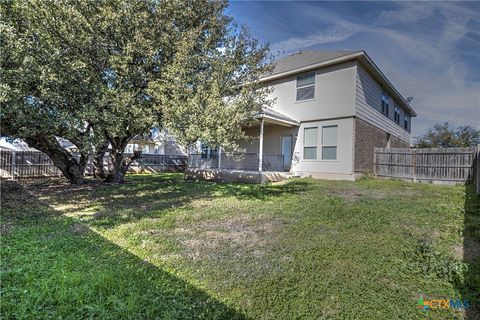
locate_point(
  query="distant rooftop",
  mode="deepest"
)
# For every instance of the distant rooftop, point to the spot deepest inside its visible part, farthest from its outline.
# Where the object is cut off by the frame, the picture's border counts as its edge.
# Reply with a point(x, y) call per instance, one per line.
point(301, 59)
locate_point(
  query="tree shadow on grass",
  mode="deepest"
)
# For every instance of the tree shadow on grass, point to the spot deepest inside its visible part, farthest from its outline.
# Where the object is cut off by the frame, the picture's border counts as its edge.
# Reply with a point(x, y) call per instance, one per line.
point(151, 196)
point(471, 253)
point(54, 267)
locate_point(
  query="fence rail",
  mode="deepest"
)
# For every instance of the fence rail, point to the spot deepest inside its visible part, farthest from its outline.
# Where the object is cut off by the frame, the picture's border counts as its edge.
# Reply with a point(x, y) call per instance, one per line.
point(159, 162)
point(439, 165)
point(36, 164)
point(236, 161)
point(26, 164)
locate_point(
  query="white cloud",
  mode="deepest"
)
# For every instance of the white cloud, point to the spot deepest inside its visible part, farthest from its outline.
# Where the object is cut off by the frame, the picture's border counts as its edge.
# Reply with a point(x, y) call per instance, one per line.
point(435, 80)
point(406, 15)
point(329, 35)
point(422, 64)
point(455, 22)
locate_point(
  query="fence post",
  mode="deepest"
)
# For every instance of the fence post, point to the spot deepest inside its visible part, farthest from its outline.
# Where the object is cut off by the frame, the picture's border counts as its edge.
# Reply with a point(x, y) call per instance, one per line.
point(375, 162)
point(414, 160)
point(219, 157)
point(477, 157)
point(14, 165)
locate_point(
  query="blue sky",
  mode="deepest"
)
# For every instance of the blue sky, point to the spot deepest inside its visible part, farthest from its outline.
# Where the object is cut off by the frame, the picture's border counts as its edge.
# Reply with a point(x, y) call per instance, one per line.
point(428, 50)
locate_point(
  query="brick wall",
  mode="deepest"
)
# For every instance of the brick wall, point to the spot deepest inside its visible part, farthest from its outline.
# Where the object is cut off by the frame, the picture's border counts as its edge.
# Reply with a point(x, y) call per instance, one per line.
point(367, 137)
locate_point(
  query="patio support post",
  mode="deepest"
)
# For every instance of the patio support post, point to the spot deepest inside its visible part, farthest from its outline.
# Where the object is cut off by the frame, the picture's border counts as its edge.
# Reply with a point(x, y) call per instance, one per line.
point(260, 151)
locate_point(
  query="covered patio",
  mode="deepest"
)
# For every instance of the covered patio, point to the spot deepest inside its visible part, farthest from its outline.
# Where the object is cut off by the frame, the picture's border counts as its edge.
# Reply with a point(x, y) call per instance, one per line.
point(266, 155)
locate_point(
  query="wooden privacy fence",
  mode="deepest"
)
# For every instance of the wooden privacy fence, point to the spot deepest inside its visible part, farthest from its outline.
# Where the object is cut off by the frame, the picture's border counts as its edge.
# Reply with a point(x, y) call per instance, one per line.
point(26, 164)
point(35, 164)
point(436, 165)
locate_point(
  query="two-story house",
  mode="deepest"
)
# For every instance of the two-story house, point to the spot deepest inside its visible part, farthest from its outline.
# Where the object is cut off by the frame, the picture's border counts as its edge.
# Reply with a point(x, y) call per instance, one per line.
point(330, 110)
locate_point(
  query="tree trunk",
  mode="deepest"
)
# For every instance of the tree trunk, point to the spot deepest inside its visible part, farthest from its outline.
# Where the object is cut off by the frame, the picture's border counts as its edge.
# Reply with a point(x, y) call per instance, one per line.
point(98, 167)
point(120, 166)
point(120, 163)
point(70, 167)
point(117, 175)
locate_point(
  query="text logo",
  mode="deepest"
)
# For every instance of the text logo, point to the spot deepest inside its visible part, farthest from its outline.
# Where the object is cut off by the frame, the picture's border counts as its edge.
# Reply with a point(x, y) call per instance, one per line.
point(436, 304)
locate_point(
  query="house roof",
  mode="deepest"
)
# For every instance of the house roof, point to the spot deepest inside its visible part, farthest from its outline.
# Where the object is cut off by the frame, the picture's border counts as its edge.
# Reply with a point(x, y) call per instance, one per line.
point(142, 138)
point(65, 143)
point(14, 145)
point(304, 61)
point(305, 58)
point(268, 113)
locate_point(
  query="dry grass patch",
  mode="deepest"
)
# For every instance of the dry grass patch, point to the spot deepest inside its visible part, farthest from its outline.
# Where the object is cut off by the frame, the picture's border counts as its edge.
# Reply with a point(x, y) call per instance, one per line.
point(234, 235)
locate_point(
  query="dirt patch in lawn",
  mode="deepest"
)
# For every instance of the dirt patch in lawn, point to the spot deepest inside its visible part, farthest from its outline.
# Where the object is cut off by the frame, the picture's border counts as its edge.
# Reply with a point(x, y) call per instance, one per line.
point(353, 194)
point(79, 229)
point(241, 235)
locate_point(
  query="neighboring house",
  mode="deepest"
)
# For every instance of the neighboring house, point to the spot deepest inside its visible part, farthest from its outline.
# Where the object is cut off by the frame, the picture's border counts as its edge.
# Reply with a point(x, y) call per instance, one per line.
point(10, 144)
point(330, 110)
point(157, 142)
point(66, 144)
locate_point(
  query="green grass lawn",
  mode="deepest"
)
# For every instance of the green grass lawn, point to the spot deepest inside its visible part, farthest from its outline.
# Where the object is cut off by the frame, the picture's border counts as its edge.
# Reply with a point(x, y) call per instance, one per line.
point(162, 247)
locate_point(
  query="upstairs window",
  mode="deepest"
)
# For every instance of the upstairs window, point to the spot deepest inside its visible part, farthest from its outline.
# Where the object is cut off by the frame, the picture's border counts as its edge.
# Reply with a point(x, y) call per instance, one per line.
point(306, 86)
point(310, 143)
point(329, 143)
point(397, 115)
point(405, 122)
point(385, 103)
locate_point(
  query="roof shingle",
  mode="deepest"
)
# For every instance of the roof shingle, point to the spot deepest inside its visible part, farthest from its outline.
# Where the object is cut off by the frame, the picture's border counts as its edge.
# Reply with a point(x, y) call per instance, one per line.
point(305, 58)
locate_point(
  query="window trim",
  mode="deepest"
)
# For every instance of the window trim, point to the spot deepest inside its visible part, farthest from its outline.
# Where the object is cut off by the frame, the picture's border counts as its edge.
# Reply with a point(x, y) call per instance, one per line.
point(310, 146)
point(405, 122)
point(330, 145)
point(305, 86)
point(396, 114)
point(385, 103)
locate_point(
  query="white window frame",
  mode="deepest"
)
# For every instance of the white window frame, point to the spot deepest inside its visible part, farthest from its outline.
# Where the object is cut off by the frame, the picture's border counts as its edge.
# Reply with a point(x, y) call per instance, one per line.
point(330, 145)
point(385, 103)
point(396, 116)
point(406, 121)
point(310, 146)
point(305, 86)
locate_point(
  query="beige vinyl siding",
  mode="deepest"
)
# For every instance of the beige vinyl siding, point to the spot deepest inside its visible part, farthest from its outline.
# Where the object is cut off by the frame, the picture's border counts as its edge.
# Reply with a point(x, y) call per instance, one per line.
point(334, 94)
point(368, 106)
point(342, 164)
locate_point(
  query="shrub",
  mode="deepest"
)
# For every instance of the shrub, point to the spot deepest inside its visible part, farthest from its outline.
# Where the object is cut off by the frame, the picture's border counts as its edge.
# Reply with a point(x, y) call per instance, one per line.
point(432, 263)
